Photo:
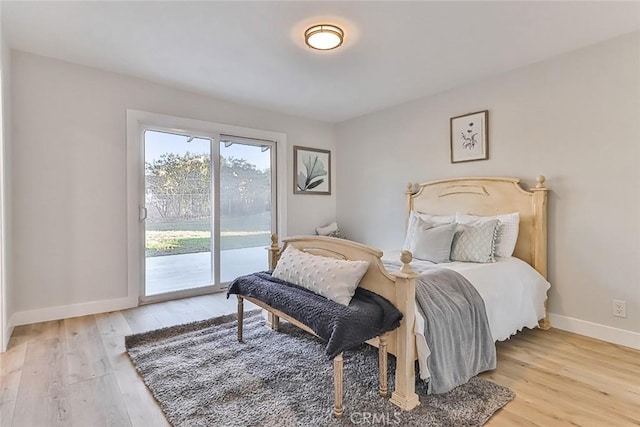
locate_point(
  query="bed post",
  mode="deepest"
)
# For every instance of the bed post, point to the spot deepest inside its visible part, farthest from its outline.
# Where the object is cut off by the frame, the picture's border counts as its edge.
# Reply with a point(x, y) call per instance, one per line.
point(404, 394)
point(409, 194)
point(273, 321)
point(274, 251)
point(540, 195)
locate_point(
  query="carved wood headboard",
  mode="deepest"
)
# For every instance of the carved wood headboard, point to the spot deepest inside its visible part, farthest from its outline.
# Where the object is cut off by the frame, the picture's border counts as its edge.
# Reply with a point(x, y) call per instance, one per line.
point(491, 196)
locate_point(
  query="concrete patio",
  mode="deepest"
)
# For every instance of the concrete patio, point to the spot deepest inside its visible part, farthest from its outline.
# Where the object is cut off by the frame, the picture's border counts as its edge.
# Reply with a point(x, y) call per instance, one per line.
point(178, 272)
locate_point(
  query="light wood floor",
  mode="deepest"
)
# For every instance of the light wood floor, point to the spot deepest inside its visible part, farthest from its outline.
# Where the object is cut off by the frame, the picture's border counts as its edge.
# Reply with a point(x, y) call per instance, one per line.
point(75, 372)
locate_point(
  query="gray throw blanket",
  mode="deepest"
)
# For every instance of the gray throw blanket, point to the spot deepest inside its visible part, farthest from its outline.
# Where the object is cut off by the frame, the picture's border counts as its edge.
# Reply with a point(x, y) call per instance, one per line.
point(456, 328)
point(343, 327)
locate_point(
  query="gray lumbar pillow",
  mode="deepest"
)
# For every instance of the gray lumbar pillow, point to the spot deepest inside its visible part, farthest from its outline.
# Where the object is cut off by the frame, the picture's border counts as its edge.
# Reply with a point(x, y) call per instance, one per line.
point(475, 243)
point(433, 243)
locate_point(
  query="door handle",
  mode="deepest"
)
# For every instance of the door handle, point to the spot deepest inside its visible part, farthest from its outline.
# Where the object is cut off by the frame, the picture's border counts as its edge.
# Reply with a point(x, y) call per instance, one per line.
point(143, 213)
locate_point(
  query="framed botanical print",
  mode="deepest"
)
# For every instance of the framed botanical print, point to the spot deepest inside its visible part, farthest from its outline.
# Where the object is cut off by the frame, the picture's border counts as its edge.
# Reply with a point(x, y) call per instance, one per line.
point(311, 170)
point(470, 137)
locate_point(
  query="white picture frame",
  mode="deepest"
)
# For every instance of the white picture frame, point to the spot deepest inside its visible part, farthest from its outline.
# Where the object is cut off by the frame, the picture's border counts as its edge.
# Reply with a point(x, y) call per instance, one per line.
point(470, 137)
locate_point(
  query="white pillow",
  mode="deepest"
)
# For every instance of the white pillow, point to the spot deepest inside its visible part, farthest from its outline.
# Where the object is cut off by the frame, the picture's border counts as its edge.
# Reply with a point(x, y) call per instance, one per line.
point(475, 243)
point(433, 243)
point(507, 232)
point(332, 278)
point(432, 220)
point(330, 230)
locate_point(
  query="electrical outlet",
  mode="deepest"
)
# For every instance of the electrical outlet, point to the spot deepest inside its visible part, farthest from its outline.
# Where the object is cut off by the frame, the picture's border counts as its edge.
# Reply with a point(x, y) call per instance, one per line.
point(619, 308)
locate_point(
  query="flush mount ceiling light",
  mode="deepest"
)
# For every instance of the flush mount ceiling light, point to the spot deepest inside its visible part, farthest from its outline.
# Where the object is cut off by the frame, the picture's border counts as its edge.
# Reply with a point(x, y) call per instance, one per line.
point(324, 37)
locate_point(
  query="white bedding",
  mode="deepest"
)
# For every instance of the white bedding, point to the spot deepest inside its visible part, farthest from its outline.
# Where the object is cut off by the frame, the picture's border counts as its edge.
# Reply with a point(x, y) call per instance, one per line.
point(513, 293)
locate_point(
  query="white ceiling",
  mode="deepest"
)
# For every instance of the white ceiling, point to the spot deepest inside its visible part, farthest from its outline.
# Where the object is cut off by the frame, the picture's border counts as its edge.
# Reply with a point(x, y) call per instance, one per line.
point(253, 52)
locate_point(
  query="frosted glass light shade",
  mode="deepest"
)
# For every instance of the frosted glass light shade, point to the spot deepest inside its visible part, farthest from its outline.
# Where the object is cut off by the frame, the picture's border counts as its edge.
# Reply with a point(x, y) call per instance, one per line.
point(324, 37)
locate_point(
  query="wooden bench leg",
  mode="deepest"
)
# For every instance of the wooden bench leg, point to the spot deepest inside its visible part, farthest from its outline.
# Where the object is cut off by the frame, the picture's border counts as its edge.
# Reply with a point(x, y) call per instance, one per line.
point(240, 316)
point(337, 385)
point(382, 364)
point(273, 321)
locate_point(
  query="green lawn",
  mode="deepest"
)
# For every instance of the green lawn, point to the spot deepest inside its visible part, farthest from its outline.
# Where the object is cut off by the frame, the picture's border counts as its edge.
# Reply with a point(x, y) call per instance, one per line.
point(191, 236)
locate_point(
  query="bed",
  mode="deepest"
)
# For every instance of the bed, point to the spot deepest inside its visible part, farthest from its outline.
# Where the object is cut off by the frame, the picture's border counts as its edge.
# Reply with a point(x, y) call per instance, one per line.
point(481, 196)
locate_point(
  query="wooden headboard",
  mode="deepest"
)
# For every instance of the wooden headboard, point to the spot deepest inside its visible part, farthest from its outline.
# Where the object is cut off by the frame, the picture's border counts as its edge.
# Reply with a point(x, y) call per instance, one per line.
point(491, 196)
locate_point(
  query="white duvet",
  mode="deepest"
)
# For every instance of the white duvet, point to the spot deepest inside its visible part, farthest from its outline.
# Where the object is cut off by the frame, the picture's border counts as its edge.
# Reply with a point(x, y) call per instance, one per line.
point(513, 293)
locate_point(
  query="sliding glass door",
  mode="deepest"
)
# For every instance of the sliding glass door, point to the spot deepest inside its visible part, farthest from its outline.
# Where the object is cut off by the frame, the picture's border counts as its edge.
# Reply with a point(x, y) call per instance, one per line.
point(178, 204)
point(209, 210)
point(247, 205)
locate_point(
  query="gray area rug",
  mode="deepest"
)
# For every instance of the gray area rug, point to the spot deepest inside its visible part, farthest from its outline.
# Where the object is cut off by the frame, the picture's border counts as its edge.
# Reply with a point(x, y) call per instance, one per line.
point(201, 376)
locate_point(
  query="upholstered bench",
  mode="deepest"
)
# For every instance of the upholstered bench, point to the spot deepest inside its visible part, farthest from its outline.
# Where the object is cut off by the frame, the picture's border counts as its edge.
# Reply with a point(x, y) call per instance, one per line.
point(343, 327)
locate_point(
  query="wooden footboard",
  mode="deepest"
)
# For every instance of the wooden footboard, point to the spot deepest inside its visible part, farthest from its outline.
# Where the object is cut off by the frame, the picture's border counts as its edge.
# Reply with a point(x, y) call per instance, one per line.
point(398, 287)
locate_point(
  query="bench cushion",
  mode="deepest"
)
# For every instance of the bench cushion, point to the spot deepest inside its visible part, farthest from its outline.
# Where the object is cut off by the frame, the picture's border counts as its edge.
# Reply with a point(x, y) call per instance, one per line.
point(343, 327)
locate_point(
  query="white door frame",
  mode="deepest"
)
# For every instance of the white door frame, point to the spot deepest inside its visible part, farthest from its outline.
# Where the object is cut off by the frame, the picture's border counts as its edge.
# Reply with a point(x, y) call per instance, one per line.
point(137, 123)
point(5, 323)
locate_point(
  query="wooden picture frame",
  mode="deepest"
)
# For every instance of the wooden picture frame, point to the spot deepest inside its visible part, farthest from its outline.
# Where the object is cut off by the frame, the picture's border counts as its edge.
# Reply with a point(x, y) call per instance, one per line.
point(469, 135)
point(311, 171)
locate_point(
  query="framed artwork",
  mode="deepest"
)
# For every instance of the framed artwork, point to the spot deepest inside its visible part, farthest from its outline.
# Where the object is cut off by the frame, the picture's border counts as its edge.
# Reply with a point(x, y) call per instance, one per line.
point(470, 137)
point(311, 171)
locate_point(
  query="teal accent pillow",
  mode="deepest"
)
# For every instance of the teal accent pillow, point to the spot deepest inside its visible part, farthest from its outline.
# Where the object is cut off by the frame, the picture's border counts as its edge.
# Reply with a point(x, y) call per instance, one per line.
point(475, 243)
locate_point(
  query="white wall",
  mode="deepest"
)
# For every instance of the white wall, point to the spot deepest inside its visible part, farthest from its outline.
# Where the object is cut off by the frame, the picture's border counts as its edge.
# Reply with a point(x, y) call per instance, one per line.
point(575, 119)
point(69, 174)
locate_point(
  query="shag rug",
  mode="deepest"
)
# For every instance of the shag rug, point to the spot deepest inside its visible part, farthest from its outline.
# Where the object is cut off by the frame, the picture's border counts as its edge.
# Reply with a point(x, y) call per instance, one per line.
point(202, 376)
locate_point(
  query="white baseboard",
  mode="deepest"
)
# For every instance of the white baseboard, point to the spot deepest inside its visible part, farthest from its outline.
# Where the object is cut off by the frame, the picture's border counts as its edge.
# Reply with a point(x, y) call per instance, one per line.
point(72, 310)
point(6, 337)
point(595, 330)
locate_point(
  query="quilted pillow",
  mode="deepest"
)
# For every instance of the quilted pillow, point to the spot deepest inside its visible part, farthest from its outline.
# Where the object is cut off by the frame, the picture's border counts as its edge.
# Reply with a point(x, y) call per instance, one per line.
point(475, 243)
point(432, 220)
point(507, 234)
point(433, 243)
point(332, 278)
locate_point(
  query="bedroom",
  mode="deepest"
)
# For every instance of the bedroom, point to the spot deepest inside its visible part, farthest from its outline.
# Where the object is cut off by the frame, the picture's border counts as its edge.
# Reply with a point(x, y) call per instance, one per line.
point(571, 113)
